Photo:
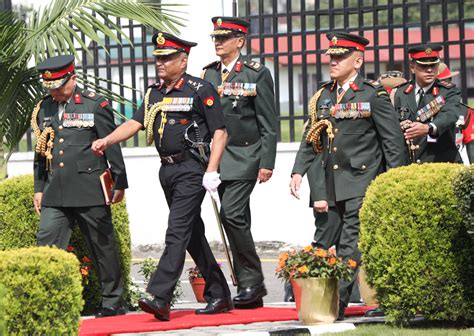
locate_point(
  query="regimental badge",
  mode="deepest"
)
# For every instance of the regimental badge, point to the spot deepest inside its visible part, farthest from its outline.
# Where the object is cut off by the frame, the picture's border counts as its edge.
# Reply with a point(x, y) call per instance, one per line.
point(334, 40)
point(428, 51)
point(160, 39)
point(91, 94)
point(219, 22)
point(47, 74)
point(209, 101)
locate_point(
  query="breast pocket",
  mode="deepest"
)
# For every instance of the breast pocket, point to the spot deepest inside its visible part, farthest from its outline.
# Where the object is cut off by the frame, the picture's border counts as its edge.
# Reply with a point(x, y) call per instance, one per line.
point(360, 164)
point(88, 166)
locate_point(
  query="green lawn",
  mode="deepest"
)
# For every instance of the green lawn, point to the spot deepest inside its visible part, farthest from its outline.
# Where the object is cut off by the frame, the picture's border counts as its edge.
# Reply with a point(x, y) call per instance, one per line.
point(381, 329)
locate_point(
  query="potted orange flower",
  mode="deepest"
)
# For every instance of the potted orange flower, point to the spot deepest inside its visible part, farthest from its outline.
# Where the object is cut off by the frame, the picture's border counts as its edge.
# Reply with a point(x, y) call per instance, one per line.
point(314, 274)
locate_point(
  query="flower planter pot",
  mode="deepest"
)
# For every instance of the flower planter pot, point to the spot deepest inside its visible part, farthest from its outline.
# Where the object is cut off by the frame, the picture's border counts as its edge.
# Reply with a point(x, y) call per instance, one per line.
point(368, 294)
point(198, 285)
point(317, 299)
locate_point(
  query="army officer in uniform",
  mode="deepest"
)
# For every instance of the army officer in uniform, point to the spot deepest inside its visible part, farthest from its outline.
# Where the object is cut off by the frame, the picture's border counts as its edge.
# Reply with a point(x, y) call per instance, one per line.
point(180, 101)
point(66, 173)
point(353, 135)
point(246, 90)
point(431, 108)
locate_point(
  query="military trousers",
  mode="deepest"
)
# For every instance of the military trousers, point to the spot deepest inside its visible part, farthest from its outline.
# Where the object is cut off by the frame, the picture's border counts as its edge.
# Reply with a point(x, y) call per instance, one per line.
point(95, 224)
point(182, 185)
point(236, 218)
point(340, 227)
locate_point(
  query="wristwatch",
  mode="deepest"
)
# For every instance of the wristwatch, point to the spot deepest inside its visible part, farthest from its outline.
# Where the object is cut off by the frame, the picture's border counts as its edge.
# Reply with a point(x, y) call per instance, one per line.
point(430, 128)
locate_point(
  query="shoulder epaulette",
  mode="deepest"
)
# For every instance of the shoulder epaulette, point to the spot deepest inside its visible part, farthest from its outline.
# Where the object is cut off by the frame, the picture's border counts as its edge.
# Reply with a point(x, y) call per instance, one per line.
point(90, 94)
point(372, 82)
point(445, 84)
point(321, 84)
point(210, 65)
point(401, 84)
point(253, 65)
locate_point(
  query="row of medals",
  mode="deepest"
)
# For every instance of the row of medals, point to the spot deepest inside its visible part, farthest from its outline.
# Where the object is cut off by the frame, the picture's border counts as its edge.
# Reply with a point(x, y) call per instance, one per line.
point(351, 110)
point(179, 104)
point(78, 119)
point(237, 89)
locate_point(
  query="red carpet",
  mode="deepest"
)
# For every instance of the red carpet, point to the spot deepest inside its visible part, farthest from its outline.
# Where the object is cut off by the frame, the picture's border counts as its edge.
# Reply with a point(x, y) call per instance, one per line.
point(185, 319)
point(182, 319)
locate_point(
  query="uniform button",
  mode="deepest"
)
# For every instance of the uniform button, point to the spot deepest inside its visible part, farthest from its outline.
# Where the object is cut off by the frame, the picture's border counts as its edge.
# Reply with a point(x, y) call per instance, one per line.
point(89, 169)
point(61, 152)
point(417, 146)
point(363, 167)
point(60, 127)
point(61, 164)
point(246, 143)
point(335, 149)
point(418, 161)
point(61, 140)
point(336, 167)
point(336, 130)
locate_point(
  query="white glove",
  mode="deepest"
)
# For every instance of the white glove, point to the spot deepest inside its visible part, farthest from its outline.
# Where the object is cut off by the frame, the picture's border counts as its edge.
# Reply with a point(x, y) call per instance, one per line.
point(210, 182)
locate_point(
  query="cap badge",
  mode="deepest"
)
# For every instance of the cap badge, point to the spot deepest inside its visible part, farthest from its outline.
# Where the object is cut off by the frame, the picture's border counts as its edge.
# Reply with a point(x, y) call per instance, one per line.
point(334, 40)
point(47, 74)
point(160, 39)
point(219, 22)
point(428, 51)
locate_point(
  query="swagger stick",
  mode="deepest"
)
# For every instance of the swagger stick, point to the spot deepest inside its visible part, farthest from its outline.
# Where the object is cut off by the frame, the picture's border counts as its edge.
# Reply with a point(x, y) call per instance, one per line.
point(201, 155)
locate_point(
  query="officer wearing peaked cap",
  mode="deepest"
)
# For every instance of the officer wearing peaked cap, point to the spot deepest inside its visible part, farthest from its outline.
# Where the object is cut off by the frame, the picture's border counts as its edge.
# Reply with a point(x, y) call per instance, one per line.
point(179, 106)
point(247, 96)
point(66, 173)
point(350, 139)
point(432, 107)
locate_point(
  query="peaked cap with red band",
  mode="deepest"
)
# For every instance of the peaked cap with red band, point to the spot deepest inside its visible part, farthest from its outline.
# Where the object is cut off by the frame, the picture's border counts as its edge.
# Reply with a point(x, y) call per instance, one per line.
point(425, 54)
point(55, 71)
point(167, 44)
point(341, 43)
point(225, 25)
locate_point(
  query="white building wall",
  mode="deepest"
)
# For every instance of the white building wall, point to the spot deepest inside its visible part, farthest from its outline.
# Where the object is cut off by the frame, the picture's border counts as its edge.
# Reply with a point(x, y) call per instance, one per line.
point(276, 215)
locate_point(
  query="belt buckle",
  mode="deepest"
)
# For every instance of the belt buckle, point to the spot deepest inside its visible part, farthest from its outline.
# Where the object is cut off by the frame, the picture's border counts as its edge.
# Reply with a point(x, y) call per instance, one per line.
point(168, 159)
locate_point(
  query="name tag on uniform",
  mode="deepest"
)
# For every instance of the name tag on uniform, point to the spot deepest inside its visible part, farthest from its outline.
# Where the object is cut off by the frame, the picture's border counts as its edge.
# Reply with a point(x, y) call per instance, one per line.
point(178, 104)
point(78, 119)
point(351, 110)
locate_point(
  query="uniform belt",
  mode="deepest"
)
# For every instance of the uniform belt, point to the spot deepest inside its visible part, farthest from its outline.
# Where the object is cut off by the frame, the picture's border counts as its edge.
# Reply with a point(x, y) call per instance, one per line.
point(175, 158)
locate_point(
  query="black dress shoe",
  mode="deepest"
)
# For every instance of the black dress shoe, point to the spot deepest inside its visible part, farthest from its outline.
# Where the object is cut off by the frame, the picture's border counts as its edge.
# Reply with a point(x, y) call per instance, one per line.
point(249, 295)
point(216, 306)
point(109, 311)
point(376, 312)
point(159, 309)
point(252, 305)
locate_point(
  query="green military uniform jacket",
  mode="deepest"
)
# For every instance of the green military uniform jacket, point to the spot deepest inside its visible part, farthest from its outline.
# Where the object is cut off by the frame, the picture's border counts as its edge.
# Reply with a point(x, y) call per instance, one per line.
point(74, 178)
point(248, 101)
point(367, 141)
point(444, 149)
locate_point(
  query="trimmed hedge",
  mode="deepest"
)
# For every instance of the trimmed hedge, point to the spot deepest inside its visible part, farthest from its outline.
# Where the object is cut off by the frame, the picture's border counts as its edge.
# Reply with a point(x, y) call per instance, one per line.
point(416, 250)
point(19, 224)
point(464, 191)
point(43, 291)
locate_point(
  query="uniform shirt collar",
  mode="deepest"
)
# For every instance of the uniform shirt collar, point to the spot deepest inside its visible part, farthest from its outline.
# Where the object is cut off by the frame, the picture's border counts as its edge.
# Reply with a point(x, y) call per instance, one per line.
point(347, 84)
point(230, 66)
point(425, 88)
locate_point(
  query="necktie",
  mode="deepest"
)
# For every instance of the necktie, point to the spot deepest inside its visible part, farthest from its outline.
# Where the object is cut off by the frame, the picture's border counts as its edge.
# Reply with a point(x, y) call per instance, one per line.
point(421, 93)
point(225, 74)
point(340, 94)
point(61, 109)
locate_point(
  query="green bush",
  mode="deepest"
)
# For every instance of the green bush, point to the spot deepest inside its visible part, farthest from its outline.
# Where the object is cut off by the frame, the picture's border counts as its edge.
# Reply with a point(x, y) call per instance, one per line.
point(417, 253)
point(43, 291)
point(2, 310)
point(464, 191)
point(19, 224)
